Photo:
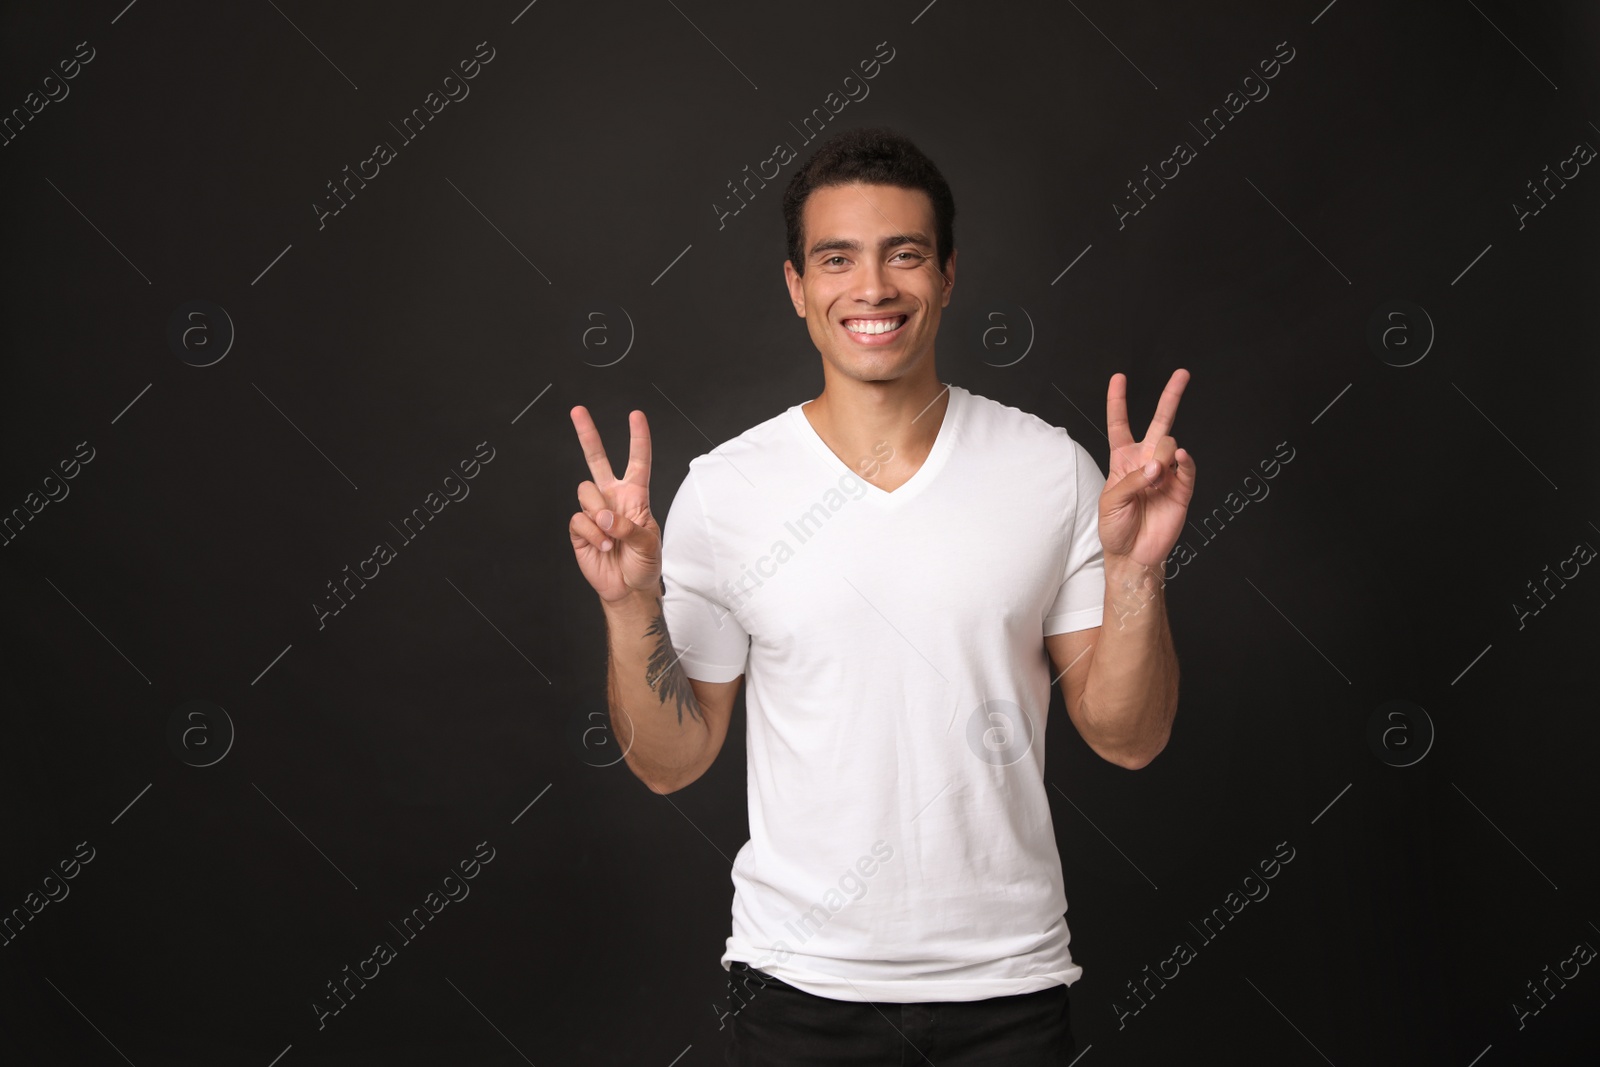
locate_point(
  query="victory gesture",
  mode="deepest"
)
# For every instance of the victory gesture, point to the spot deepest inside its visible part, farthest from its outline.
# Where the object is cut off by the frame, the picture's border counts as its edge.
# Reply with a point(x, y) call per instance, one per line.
point(616, 540)
point(1148, 488)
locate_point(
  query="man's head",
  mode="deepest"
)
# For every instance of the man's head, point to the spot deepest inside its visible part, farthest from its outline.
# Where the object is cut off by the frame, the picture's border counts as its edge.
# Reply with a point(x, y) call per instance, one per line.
point(871, 237)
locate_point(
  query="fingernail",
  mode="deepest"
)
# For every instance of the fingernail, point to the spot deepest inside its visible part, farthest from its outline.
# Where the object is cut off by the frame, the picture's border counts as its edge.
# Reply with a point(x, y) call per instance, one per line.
point(1151, 468)
point(605, 546)
point(605, 518)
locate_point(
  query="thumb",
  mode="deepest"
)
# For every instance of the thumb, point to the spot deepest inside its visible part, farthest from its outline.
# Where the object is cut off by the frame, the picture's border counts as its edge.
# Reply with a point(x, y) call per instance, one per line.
point(618, 527)
point(1135, 481)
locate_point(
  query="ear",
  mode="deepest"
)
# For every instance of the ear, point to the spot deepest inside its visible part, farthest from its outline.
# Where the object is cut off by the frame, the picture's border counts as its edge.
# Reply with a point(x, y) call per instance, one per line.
point(797, 291)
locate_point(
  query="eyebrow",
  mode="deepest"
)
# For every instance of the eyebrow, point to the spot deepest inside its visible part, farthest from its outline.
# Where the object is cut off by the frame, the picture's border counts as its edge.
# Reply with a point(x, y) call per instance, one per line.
point(845, 244)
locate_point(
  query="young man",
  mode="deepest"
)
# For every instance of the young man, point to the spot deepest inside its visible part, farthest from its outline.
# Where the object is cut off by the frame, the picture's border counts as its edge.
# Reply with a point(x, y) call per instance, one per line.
point(901, 567)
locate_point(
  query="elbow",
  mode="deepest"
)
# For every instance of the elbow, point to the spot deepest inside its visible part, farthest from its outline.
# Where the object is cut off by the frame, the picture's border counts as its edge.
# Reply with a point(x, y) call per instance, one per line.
point(1131, 742)
point(657, 784)
point(1137, 759)
point(1136, 763)
point(663, 779)
point(663, 786)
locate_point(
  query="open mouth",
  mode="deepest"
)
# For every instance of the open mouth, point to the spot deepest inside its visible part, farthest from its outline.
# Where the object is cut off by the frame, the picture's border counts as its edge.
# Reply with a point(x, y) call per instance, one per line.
point(875, 330)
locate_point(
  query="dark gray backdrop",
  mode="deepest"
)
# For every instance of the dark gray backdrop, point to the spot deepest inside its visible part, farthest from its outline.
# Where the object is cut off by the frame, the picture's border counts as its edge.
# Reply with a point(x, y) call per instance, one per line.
point(247, 793)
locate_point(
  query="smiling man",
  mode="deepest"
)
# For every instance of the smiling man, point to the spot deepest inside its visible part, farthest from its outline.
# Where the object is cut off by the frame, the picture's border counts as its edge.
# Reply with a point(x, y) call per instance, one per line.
point(901, 659)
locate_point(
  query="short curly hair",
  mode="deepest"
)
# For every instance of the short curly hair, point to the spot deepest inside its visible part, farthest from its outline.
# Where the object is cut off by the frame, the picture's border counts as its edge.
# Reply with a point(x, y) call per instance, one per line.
point(876, 155)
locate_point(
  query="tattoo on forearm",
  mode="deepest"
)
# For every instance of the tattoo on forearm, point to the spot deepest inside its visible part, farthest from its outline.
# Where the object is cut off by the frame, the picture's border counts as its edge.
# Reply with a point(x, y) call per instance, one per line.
point(663, 674)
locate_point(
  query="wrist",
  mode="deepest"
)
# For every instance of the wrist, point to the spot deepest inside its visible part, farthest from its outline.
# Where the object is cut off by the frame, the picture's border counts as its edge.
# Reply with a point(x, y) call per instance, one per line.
point(1131, 586)
point(1127, 569)
point(642, 604)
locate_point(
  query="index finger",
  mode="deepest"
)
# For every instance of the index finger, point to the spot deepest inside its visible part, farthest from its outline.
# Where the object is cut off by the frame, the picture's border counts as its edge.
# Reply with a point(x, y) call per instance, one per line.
point(638, 472)
point(1167, 406)
point(593, 450)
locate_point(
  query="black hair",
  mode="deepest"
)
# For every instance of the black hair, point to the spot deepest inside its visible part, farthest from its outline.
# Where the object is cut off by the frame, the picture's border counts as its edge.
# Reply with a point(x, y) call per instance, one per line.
point(879, 156)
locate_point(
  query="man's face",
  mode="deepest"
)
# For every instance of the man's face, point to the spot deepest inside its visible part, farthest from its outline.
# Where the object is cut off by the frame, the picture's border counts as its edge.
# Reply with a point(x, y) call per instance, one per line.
point(870, 264)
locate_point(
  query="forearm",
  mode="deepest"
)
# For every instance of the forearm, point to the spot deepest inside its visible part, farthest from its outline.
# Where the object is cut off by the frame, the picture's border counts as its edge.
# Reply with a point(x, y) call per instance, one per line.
point(1131, 694)
point(654, 714)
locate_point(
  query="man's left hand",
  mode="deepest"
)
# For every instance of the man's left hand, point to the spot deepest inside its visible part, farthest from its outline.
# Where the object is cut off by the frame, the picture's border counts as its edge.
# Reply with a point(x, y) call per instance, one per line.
point(1146, 497)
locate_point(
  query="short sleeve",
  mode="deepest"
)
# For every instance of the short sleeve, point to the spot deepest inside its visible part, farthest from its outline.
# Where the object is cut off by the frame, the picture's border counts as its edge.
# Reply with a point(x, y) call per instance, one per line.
point(1080, 599)
point(711, 644)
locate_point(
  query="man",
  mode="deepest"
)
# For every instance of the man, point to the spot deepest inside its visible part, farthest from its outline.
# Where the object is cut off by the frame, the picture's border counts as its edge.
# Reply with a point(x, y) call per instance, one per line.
point(901, 566)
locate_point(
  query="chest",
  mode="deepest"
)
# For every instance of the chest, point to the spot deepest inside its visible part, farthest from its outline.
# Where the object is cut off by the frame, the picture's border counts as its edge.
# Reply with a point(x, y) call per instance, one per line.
point(839, 574)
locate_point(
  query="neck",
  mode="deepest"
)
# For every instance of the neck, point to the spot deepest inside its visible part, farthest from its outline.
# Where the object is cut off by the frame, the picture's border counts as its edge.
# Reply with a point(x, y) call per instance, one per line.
point(881, 430)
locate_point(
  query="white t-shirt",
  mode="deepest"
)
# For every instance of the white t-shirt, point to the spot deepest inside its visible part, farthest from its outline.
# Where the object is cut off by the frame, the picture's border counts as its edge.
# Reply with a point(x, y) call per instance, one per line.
point(897, 685)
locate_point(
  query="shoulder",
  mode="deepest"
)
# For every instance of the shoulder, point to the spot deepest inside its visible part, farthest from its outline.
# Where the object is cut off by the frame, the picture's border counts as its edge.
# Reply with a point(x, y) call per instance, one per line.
point(993, 423)
point(739, 462)
point(1032, 452)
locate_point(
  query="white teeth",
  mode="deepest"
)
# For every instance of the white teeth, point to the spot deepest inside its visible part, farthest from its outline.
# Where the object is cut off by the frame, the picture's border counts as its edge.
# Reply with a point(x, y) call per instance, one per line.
point(872, 325)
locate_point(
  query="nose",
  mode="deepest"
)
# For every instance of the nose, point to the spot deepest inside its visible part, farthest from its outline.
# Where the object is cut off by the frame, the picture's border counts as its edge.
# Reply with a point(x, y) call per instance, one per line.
point(874, 282)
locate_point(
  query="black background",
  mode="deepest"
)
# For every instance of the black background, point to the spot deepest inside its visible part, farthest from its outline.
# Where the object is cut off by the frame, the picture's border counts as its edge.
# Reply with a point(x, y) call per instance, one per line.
point(446, 305)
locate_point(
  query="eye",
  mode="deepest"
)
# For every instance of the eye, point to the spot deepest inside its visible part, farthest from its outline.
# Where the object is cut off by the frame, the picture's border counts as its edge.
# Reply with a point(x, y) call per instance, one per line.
point(916, 256)
point(830, 259)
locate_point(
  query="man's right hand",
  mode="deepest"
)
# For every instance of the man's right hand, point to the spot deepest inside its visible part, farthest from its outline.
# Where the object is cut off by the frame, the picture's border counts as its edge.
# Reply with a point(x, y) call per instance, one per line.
point(615, 538)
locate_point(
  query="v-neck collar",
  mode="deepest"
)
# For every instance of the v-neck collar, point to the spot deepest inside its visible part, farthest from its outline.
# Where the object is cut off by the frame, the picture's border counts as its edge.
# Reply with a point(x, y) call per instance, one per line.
point(943, 444)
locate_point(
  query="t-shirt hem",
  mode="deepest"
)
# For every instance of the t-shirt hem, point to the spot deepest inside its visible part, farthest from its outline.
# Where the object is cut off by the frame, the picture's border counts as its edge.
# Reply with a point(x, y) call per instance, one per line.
point(700, 671)
point(911, 991)
point(1082, 619)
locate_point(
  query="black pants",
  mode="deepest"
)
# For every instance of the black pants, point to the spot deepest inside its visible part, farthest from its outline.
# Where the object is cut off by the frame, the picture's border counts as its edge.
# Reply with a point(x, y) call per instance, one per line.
point(772, 1023)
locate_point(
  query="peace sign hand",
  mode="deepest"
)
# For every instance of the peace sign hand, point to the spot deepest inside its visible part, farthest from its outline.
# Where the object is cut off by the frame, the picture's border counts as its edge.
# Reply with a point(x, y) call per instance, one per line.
point(615, 538)
point(1147, 492)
